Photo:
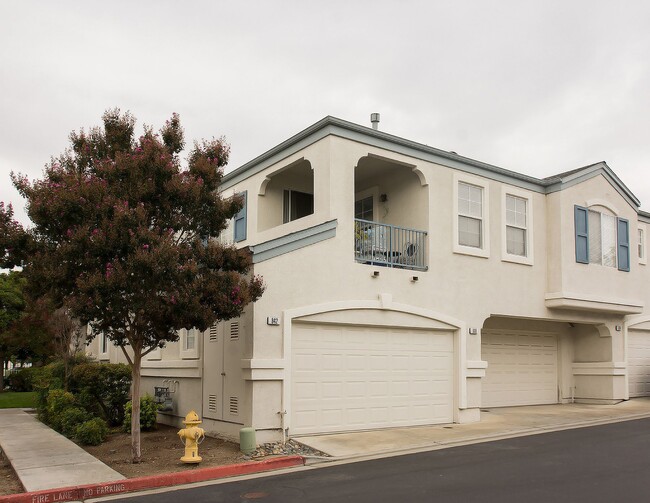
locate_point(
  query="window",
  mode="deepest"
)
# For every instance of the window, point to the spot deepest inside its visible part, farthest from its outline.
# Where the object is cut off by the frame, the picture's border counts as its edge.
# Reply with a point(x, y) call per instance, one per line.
point(239, 221)
point(601, 239)
point(470, 215)
point(516, 225)
point(641, 246)
point(189, 343)
point(363, 208)
point(470, 221)
point(103, 346)
point(296, 205)
point(190, 340)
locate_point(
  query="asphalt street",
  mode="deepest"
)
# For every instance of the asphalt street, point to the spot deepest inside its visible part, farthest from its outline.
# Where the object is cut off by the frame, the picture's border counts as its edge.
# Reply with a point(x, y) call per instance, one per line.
point(607, 463)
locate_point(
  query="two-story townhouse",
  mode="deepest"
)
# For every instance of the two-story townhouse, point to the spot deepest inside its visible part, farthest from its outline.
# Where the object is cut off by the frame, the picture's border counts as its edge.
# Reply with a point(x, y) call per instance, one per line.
point(407, 285)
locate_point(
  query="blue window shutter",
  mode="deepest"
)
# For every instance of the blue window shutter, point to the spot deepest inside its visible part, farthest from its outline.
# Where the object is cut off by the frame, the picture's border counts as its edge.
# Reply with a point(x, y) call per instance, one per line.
point(240, 220)
point(582, 234)
point(623, 238)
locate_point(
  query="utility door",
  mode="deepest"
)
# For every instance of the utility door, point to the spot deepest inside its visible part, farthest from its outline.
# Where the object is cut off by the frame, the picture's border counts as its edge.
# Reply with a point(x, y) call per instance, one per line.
point(222, 376)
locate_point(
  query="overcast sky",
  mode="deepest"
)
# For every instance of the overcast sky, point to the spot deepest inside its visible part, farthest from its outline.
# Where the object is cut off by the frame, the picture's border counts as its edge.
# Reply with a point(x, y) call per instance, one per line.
point(538, 87)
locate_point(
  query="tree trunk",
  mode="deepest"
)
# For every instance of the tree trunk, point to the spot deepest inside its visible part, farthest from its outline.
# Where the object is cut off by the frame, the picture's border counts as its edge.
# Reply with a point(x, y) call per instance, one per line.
point(135, 408)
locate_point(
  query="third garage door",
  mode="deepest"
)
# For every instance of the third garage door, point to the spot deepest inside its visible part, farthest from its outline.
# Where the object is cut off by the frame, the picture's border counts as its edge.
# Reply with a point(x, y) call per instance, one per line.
point(348, 377)
point(522, 368)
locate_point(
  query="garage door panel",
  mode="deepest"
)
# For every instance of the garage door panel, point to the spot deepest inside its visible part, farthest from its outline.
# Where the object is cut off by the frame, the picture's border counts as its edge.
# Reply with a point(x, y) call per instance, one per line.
point(381, 377)
point(522, 368)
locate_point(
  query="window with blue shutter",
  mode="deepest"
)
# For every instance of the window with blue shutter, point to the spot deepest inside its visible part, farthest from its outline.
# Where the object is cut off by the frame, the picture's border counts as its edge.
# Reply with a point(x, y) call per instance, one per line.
point(240, 221)
point(581, 216)
point(623, 242)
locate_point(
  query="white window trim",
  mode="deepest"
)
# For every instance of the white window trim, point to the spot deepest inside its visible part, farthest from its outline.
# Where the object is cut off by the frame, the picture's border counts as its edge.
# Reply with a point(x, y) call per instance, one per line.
point(483, 252)
point(187, 354)
point(508, 257)
point(643, 260)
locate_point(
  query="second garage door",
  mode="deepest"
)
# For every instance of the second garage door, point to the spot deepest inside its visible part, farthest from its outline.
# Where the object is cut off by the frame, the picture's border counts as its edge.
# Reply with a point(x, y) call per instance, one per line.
point(348, 378)
point(522, 368)
point(638, 362)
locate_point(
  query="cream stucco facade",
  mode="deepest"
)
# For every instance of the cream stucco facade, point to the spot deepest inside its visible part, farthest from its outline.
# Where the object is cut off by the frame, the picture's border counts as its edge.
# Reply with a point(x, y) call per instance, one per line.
point(408, 285)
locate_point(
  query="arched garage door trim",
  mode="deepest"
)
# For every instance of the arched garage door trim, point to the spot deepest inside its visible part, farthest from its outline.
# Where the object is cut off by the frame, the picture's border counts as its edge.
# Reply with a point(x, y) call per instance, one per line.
point(384, 303)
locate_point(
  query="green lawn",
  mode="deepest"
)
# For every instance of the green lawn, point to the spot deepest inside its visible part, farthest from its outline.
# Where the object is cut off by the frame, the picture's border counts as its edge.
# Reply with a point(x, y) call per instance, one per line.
point(12, 399)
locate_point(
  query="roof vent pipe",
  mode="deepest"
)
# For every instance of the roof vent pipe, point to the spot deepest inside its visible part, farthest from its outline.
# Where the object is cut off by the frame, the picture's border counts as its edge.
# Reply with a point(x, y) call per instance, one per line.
point(374, 118)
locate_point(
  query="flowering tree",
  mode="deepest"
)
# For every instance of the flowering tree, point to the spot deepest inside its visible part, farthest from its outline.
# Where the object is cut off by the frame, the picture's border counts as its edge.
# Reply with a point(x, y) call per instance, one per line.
point(121, 238)
point(14, 240)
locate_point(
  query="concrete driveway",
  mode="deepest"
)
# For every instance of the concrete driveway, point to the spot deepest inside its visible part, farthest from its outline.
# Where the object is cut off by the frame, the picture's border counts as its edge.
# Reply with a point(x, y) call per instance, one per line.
point(497, 423)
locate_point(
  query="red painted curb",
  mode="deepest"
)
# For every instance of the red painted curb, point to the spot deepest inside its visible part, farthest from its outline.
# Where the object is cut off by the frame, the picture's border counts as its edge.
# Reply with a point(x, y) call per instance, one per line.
point(80, 493)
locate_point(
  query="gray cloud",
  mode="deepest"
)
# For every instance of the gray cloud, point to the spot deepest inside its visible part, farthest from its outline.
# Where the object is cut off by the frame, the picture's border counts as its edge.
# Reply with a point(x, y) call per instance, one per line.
point(537, 87)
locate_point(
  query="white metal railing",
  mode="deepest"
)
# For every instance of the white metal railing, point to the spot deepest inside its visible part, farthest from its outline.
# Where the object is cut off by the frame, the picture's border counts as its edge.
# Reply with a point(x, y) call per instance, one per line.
point(389, 245)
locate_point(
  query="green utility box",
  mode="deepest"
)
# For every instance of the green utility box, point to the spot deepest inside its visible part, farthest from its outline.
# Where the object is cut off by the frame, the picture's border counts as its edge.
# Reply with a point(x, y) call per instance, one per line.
point(247, 442)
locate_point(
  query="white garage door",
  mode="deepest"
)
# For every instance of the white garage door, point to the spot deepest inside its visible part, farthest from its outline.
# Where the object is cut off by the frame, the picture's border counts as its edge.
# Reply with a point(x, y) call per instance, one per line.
point(638, 362)
point(522, 368)
point(355, 378)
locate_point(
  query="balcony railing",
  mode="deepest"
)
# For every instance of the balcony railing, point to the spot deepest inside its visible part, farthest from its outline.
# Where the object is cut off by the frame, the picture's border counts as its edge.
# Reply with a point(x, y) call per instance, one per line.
point(389, 245)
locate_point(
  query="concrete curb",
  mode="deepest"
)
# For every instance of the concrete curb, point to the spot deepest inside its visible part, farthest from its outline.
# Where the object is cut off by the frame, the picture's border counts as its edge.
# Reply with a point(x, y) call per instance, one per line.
point(83, 492)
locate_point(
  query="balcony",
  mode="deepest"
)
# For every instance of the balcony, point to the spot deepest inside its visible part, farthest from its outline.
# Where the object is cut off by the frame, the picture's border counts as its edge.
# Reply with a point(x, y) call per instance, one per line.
point(389, 245)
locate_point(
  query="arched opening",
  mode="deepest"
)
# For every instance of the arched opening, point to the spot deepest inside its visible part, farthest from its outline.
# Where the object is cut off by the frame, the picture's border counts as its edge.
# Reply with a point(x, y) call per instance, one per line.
point(391, 214)
point(286, 195)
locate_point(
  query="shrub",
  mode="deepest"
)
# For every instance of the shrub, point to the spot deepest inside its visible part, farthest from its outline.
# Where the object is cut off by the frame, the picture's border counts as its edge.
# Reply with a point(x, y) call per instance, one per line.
point(41, 380)
point(71, 418)
point(92, 432)
point(57, 402)
point(148, 414)
point(102, 389)
point(21, 380)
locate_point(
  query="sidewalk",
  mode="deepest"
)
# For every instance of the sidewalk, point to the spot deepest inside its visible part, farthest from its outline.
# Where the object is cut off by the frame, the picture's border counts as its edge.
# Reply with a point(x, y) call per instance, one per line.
point(43, 459)
point(495, 424)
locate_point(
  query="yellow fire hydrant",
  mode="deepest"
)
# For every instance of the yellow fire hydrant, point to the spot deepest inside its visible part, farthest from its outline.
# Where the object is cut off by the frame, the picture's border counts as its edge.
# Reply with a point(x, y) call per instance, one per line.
point(191, 435)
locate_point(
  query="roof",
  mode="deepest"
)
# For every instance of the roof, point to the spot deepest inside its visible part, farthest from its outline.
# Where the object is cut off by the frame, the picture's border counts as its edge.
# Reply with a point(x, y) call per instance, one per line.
point(338, 127)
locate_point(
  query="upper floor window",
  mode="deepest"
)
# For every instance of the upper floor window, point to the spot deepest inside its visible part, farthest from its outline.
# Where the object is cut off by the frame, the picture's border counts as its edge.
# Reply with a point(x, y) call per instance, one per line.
point(470, 215)
point(601, 239)
point(516, 225)
point(363, 208)
point(239, 221)
point(641, 246)
point(296, 205)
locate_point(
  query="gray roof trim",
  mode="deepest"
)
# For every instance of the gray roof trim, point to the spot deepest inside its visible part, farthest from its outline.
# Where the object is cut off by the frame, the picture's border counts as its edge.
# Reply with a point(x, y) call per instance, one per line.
point(644, 217)
point(565, 180)
point(362, 134)
point(591, 172)
point(294, 241)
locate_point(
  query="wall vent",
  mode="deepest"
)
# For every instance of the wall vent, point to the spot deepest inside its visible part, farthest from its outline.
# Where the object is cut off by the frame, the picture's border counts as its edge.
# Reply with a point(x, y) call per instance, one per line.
point(213, 333)
point(234, 330)
point(234, 405)
point(212, 403)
